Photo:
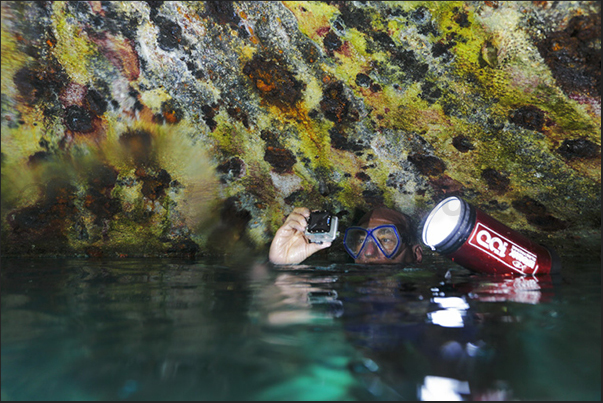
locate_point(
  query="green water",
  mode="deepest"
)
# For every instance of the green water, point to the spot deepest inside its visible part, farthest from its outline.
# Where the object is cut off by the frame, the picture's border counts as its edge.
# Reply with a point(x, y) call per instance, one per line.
point(200, 330)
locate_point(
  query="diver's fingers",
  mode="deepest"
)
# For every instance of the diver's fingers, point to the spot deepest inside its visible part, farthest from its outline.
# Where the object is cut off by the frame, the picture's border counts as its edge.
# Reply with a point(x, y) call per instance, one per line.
point(298, 225)
point(302, 210)
point(297, 219)
point(292, 224)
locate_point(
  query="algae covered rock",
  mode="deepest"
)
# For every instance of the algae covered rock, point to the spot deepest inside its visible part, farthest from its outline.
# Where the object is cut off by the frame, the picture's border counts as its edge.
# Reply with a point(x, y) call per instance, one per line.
point(193, 128)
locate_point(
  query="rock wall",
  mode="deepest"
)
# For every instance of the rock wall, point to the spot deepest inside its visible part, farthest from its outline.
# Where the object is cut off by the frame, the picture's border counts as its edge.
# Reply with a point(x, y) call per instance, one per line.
point(193, 128)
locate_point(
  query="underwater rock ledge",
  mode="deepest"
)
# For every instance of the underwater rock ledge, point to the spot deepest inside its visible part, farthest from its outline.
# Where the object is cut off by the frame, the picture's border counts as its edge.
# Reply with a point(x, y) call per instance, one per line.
point(193, 128)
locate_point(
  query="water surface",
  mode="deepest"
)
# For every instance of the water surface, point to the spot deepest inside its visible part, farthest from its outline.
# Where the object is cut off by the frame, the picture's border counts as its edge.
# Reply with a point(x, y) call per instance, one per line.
point(156, 329)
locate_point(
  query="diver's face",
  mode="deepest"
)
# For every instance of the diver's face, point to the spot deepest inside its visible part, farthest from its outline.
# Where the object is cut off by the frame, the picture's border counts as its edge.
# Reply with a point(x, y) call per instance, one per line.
point(371, 254)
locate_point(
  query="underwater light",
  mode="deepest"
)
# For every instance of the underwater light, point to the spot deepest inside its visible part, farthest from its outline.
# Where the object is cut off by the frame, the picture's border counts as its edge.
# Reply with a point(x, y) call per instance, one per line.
point(478, 242)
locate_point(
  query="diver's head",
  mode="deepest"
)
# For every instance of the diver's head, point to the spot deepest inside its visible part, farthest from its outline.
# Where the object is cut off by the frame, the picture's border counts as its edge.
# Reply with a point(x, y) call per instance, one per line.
point(384, 236)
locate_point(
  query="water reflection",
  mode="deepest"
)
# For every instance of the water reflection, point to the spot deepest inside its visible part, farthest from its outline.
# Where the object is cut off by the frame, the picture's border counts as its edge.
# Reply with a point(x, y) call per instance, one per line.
point(452, 312)
point(158, 330)
point(525, 290)
point(437, 388)
point(406, 324)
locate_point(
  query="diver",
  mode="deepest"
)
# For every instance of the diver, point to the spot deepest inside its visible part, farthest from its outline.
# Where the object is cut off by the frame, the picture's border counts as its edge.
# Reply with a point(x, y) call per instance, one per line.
point(382, 236)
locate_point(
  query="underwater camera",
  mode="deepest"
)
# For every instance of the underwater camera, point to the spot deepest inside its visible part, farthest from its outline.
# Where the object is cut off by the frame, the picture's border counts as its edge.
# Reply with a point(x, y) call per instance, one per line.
point(322, 227)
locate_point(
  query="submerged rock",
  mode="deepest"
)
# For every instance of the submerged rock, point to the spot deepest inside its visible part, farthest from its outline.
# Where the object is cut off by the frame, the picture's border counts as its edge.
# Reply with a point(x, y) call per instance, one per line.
point(154, 128)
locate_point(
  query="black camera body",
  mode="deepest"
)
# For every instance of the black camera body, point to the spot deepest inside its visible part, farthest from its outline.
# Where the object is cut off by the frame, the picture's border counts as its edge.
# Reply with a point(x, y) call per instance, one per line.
point(322, 227)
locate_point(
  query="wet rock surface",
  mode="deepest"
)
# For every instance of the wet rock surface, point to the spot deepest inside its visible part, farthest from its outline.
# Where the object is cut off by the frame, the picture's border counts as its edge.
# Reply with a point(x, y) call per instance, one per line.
point(193, 128)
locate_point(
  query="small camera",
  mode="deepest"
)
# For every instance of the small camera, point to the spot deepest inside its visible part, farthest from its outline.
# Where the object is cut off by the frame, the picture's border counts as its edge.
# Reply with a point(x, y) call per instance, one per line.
point(322, 227)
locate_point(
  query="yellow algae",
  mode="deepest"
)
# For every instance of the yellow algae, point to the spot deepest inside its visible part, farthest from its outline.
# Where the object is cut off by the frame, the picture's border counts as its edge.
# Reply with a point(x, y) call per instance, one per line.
point(316, 142)
point(313, 17)
point(313, 135)
point(359, 44)
point(130, 196)
point(132, 238)
point(110, 150)
point(408, 111)
point(26, 183)
point(350, 194)
point(172, 149)
point(12, 61)
point(20, 186)
point(73, 49)
point(358, 41)
point(353, 59)
point(247, 52)
point(185, 160)
point(228, 139)
point(154, 98)
point(19, 143)
point(313, 93)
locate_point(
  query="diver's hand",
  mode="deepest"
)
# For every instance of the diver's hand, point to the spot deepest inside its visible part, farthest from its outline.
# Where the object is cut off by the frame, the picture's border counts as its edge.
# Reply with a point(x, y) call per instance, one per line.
point(289, 245)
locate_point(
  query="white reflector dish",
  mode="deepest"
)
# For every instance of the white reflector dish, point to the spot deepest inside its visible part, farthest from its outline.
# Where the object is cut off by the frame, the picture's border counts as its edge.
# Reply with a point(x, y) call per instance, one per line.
point(441, 222)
